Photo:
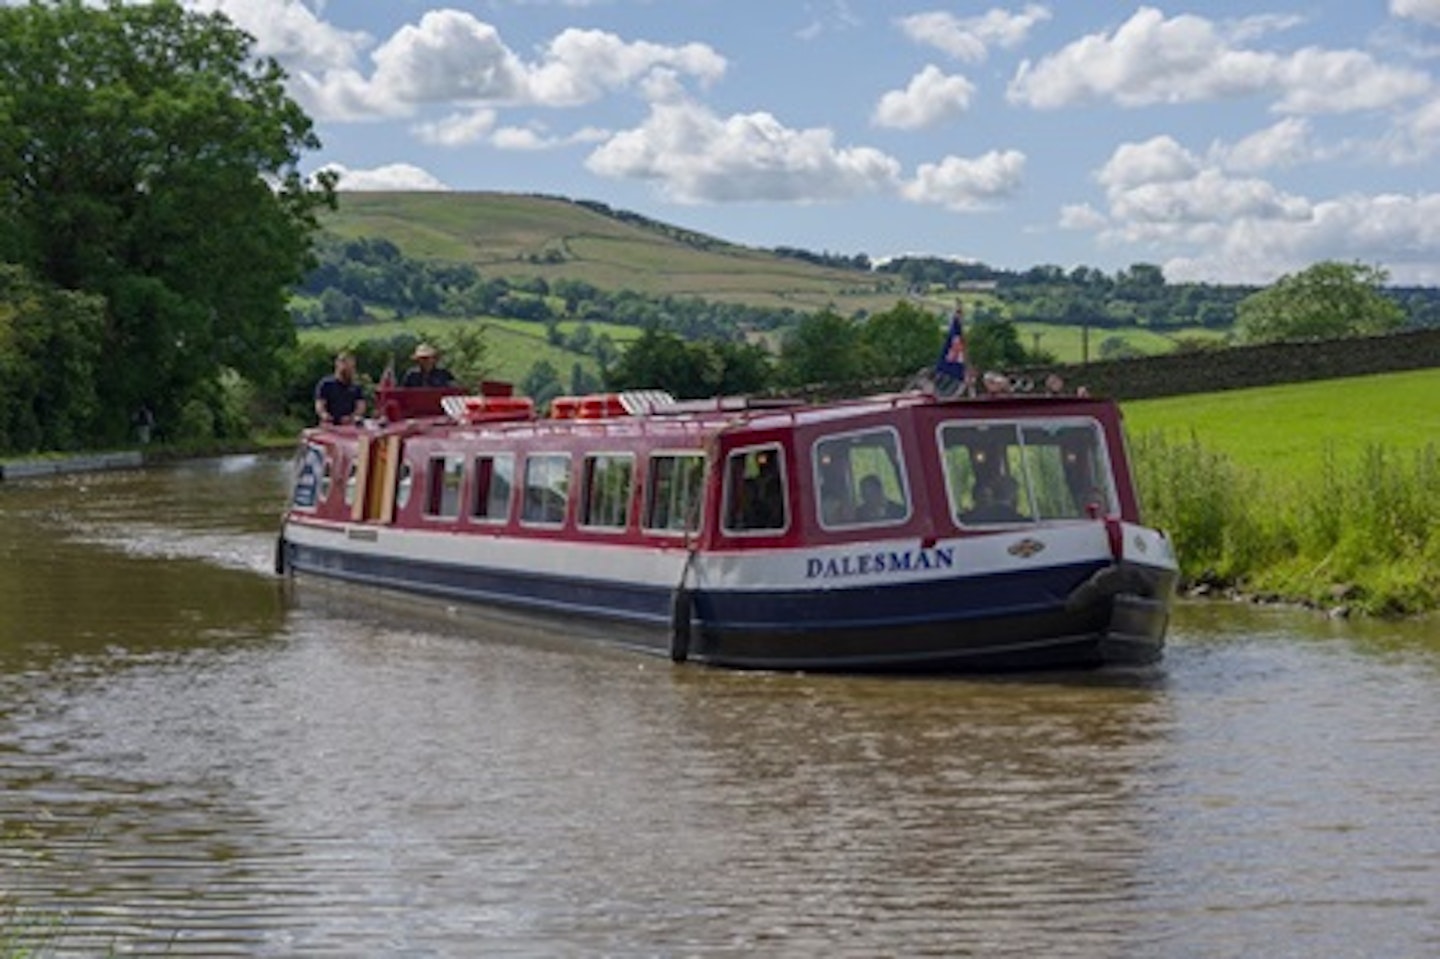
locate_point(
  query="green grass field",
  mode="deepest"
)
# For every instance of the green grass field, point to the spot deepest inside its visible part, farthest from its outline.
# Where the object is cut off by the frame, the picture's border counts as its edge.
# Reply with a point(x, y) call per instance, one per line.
point(1288, 429)
point(1326, 492)
point(512, 346)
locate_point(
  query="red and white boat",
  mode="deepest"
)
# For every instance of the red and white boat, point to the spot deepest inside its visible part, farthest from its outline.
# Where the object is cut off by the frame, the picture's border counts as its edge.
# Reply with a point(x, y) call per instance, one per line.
point(864, 535)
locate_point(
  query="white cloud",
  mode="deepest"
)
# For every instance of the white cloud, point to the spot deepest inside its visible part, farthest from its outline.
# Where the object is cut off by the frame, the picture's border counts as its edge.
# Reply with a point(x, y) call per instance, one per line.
point(1402, 232)
point(450, 56)
point(1285, 144)
point(458, 129)
point(1341, 81)
point(697, 157)
point(1158, 190)
point(969, 38)
point(291, 32)
point(1426, 10)
point(534, 137)
point(1081, 216)
point(1250, 28)
point(930, 98)
point(582, 65)
point(1154, 59)
point(963, 185)
point(1169, 199)
point(1158, 160)
point(395, 176)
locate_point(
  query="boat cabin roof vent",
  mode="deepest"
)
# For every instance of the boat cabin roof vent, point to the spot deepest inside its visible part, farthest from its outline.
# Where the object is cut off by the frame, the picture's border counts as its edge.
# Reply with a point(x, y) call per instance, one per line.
point(643, 402)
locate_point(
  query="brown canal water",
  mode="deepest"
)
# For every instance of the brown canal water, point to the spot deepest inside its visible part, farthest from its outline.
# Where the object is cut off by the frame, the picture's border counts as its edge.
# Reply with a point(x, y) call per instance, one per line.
point(199, 759)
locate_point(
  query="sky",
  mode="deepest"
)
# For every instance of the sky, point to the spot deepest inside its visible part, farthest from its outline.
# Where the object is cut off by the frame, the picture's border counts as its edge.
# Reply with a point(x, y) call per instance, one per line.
point(1229, 142)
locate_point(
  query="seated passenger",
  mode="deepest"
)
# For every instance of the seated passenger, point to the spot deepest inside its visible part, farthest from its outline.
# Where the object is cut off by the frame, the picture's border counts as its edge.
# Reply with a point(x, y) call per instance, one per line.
point(874, 505)
point(995, 502)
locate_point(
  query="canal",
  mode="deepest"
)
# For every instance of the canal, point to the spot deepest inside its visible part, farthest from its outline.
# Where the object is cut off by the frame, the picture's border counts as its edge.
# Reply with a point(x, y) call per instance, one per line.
point(200, 759)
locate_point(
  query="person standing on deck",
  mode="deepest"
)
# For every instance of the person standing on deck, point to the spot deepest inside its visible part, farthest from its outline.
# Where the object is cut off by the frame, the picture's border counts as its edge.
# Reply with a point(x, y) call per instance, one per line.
point(426, 372)
point(338, 397)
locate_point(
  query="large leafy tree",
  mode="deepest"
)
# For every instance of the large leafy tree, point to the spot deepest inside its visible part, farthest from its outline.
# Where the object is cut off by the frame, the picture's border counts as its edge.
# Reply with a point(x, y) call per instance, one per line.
point(659, 359)
point(148, 157)
point(1325, 301)
point(49, 358)
point(824, 347)
point(901, 340)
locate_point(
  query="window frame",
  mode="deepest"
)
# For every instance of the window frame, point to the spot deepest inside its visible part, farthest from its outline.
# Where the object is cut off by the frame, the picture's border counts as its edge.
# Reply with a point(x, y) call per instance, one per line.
point(473, 513)
point(535, 459)
point(440, 470)
point(1026, 483)
point(728, 493)
point(584, 504)
point(648, 500)
point(902, 476)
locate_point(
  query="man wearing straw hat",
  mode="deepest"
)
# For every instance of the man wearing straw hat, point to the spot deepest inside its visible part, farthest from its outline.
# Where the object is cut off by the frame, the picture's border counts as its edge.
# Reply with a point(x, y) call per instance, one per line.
point(426, 372)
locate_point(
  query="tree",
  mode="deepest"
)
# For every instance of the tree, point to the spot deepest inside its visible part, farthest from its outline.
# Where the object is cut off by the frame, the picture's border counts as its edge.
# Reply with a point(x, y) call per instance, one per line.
point(542, 383)
point(994, 346)
point(660, 360)
point(823, 348)
point(49, 363)
point(152, 160)
point(1325, 301)
point(901, 340)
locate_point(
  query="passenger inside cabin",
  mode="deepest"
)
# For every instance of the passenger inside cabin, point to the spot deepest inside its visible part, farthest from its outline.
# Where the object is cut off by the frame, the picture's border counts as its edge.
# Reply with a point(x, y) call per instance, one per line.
point(426, 371)
point(874, 504)
point(762, 497)
point(995, 502)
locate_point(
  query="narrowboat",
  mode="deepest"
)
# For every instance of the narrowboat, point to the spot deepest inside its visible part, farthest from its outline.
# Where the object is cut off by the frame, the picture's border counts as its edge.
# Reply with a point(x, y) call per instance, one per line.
point(906, 532)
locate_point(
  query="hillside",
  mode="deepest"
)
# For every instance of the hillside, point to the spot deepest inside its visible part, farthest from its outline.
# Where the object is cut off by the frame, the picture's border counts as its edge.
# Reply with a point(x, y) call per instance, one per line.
point(520, 237)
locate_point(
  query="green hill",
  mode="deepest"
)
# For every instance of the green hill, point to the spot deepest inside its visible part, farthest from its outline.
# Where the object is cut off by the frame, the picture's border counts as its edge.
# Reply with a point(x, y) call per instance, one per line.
point(523, 236)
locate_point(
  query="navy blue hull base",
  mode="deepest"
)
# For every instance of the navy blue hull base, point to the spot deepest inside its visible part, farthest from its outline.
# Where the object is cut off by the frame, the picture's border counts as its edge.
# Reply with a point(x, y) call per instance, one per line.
point(1044, 620)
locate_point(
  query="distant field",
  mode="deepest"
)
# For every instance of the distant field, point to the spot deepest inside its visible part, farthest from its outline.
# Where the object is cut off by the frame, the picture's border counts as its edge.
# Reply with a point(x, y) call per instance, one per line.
point(1068, 343)
point(525, 236)
point(513, 346)
point(1287, 429)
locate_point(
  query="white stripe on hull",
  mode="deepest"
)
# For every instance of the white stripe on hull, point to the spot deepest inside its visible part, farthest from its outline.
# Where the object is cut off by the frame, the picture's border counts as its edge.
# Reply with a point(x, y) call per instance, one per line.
point(848, 566)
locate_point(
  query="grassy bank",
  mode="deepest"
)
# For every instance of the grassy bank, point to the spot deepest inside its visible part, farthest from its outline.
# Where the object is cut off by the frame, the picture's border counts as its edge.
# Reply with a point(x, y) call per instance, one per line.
point(1326, 493)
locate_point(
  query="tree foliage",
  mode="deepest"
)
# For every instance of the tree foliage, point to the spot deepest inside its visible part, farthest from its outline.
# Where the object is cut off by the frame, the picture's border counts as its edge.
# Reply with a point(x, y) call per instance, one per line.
point(49, 363)
point(659, 359)
point(824, 347)
point(1325, 301)
point(149, 158)
point(901, 340)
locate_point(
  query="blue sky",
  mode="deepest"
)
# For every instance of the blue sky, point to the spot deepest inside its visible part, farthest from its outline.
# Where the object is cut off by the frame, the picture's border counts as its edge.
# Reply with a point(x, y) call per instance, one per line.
point(1224, 141)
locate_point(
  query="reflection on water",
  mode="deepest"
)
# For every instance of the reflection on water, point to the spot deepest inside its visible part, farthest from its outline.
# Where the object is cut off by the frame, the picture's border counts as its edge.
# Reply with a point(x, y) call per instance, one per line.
point(197, 759)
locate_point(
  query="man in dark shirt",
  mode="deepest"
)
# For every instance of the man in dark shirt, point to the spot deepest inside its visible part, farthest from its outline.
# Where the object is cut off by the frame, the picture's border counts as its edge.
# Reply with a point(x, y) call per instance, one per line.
point(425, 372)
point(338, 397)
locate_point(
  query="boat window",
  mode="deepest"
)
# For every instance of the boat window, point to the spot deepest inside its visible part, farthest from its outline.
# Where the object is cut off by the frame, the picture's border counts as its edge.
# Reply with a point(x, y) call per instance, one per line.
point(608, 478)
point(494, 478)
point(404, 485)
point(861, 479)
point(1008, 472)
point(444, 475)
point(673, 492)
point(352, 482)
point(312, 472)
point(325, 479)
point(755, 490)
point(547, 488)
